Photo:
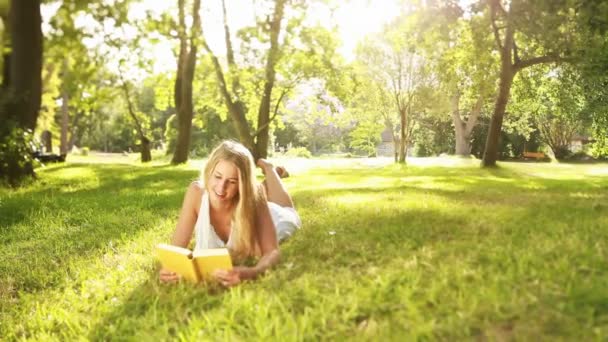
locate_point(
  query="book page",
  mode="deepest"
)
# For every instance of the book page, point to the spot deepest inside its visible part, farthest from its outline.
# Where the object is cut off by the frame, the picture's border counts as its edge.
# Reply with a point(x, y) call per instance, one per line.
point(178, 260)
point(209, 260)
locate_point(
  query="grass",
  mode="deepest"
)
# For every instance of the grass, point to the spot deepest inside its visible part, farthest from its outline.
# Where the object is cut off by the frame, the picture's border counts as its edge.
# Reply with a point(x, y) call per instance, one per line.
point(427, 251)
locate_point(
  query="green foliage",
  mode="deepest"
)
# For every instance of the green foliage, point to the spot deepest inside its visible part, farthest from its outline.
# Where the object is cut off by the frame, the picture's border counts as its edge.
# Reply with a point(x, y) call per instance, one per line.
point(600, 146)
point(553, 100)
point(16, 162)
point(300, 152)
point(319, 118)
point(365, 137)
point(208, 130)
point(287, 135)
point(403, 259)
point(433, 136)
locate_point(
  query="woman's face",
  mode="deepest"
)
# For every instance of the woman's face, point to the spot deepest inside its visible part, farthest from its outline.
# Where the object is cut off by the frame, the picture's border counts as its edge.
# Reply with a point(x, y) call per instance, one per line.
point(224, 182)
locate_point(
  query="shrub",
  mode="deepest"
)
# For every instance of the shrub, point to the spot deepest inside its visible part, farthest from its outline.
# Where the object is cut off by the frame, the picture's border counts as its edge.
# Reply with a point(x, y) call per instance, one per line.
point(84, 151)
point(298, 152)
point(16, 161)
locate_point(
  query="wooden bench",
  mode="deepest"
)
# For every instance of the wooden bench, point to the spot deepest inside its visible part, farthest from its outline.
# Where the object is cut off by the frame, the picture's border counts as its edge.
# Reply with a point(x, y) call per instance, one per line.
point(535, 155)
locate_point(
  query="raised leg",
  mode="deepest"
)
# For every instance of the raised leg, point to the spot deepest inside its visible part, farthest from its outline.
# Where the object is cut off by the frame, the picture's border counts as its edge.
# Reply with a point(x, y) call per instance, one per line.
point(275, 190)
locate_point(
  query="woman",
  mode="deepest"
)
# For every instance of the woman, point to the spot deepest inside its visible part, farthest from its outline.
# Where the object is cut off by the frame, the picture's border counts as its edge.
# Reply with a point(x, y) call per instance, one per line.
point(229, 209)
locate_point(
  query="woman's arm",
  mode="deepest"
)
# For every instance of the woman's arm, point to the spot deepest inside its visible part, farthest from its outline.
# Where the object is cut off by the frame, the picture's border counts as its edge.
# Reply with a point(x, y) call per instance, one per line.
point(185, 225)
point(267, 238)
point(188, 215)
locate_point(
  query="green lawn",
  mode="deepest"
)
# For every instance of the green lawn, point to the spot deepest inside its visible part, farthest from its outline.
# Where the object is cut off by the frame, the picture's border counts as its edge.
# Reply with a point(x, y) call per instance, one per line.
point(425, 251)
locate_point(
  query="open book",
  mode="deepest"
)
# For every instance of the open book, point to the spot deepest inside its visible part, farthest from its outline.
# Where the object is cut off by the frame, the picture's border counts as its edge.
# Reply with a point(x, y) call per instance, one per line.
point(193, 266)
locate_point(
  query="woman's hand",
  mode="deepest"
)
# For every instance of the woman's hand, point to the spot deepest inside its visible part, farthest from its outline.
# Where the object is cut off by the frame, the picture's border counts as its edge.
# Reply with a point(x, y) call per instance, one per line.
point(235, 276)
point(167, 276)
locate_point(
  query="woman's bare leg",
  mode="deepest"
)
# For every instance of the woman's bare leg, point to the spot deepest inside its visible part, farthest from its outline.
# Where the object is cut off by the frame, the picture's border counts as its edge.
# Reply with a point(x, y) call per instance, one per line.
point(275, 190)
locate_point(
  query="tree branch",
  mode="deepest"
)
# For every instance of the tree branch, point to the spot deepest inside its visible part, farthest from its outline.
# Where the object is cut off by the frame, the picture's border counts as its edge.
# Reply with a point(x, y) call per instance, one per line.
point(130, 108)
point(472, 120)
point(229, 50)
point(537, 60)
point(276, 111)
point(493, 8)
point(455, 102)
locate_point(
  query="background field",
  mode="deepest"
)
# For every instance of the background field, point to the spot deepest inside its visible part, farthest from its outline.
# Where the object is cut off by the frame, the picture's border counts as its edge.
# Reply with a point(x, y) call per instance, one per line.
point(437, 249)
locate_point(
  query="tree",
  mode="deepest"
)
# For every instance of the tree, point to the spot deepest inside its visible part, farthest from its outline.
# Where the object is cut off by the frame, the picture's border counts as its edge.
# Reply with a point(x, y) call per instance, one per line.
point(371, 108)
point(556, 101)
point(592, 27)
point(146, 154)
point(70, 70)
point(526, 33)
point(257, 141)
point(186, 64)
point(24, 84)
point(396, 65)
point(461, 54)
point(275, 55)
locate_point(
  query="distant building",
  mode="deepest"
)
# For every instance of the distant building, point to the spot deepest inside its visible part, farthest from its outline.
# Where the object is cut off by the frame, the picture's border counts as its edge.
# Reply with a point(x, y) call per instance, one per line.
point(386, 148)
point(578, 142)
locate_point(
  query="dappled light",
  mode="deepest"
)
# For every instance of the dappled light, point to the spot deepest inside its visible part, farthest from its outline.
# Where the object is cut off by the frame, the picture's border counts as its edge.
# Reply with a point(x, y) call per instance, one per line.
point(401, 245)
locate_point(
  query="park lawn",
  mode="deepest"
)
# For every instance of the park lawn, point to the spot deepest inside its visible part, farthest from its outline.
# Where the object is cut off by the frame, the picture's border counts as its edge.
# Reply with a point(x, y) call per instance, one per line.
point(386, 252)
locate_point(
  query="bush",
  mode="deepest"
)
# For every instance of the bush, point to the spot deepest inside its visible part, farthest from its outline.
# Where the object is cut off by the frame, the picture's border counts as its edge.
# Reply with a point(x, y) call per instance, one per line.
point(301, 152)
point(84, 151)
point(16, 161)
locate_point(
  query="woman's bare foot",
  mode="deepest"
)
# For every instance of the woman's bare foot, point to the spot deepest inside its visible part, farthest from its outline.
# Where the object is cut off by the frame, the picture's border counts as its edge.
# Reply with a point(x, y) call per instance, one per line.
point(266, 165)
point(282, 172)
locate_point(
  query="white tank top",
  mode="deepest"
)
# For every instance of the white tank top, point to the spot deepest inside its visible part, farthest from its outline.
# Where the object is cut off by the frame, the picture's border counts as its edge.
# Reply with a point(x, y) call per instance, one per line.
point(286, 221)
point(204, 233)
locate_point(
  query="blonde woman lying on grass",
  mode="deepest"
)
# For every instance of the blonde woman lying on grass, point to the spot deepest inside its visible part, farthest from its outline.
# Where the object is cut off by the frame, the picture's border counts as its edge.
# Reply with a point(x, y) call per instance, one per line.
point(228, 208)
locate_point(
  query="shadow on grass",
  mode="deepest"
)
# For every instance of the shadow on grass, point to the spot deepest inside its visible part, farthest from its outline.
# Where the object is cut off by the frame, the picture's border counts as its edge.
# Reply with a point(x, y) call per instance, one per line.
point(127, 200)
point(48, 228)
point(490, 209)
point(65, 195)
point(150, 304)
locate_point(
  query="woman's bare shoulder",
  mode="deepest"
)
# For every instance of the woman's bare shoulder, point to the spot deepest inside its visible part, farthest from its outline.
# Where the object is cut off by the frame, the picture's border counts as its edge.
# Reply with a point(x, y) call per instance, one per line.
point(194, 195)
point(195, 189)
point(197, 185)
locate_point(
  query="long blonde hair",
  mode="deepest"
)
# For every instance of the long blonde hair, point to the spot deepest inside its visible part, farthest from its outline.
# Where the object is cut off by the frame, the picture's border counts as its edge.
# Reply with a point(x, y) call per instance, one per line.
point(244, 243)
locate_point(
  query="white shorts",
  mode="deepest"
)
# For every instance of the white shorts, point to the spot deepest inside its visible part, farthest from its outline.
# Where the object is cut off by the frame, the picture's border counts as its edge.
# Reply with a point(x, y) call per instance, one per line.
point(286, 220)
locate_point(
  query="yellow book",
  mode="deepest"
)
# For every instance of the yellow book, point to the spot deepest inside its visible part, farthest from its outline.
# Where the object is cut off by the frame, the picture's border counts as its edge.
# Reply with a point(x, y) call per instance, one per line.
point(193, 266)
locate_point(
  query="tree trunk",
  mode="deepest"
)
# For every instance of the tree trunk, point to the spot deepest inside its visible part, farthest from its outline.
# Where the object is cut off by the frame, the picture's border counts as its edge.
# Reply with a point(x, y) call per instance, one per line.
point(504, 89)
point(464, 129)
point(402, 135)
point(6, 72)
point(26, 61)
point(261, 145)
point(146, 155)
point(461, 142)
point(24, 81)
point(186, 67)
point(396, 148)
point(463, 145)
point(6, 55)
point(65, 120)
point(47, 141)
point(73, 136)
